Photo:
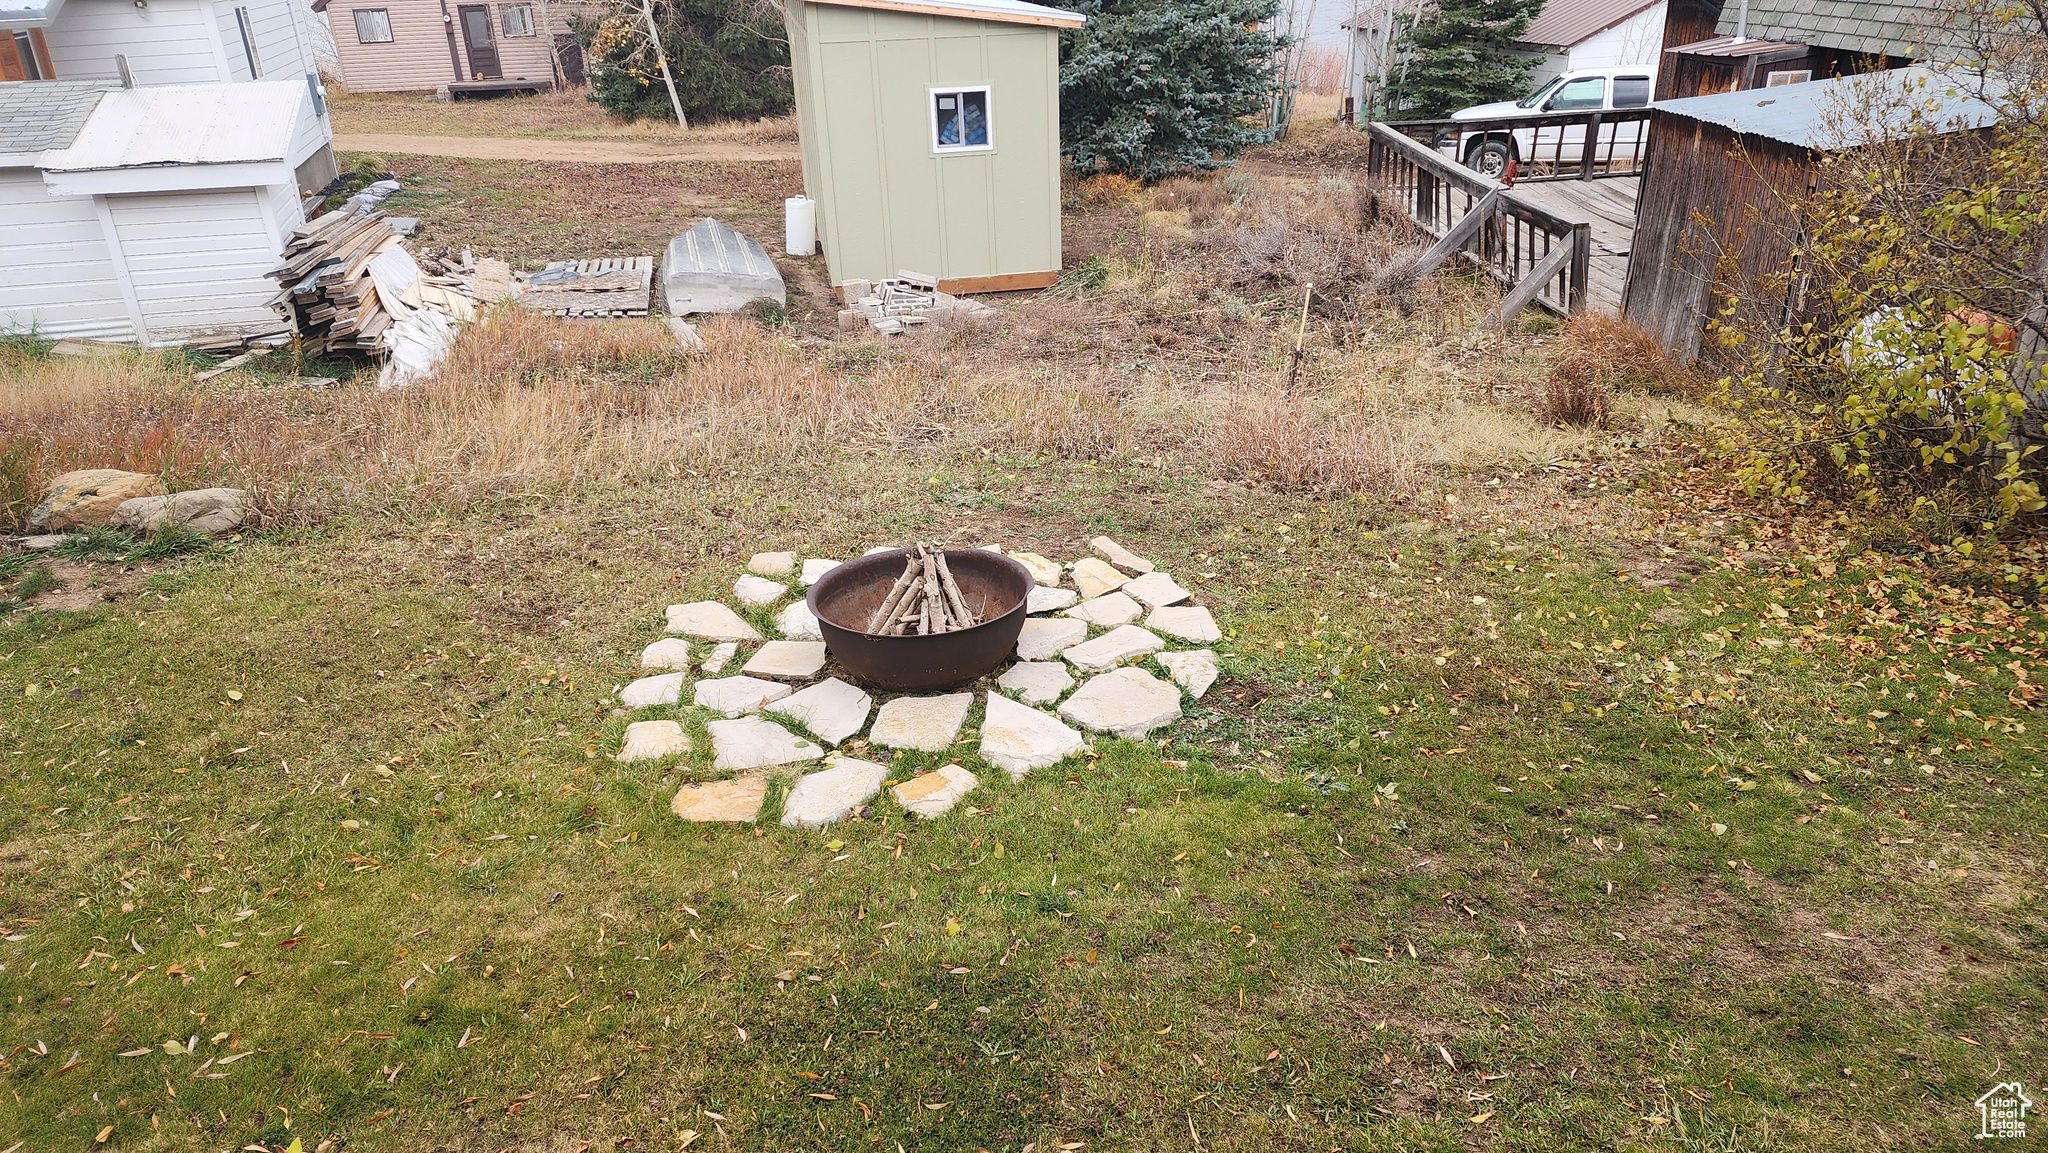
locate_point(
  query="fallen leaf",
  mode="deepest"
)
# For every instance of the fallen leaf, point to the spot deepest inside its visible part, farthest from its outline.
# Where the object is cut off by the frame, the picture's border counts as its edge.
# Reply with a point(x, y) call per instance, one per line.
point(1482, 1118)
point(104, 1134)
point(824, 1096)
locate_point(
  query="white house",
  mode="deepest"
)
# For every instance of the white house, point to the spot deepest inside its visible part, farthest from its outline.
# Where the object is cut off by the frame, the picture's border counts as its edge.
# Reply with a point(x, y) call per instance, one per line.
point(148, 214)
point(1572, 34)
point(146, 43)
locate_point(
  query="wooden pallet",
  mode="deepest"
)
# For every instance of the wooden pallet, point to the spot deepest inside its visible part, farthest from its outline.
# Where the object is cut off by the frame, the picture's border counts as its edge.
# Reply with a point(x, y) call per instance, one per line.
point(620, 286)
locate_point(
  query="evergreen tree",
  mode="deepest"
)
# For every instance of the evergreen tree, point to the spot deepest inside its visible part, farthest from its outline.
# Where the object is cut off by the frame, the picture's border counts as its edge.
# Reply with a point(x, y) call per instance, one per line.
point(1153, 87)
point(1461, 53)
point(729, 58)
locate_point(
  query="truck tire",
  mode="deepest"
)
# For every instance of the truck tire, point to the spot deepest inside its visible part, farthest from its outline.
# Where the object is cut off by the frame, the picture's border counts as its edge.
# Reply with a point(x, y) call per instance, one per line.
point(1490, 158)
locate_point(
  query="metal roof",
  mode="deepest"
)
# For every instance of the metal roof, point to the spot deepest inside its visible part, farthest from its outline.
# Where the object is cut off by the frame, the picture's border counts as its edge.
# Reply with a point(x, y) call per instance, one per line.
point(28, 13)
point(40, 114)
point(185, 124)
point(1829, 115)
point(1565, 22)
point(1000, 11)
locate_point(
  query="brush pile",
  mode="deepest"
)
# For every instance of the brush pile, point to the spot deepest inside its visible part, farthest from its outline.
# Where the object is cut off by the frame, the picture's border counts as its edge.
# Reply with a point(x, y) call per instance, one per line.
point(924, 601)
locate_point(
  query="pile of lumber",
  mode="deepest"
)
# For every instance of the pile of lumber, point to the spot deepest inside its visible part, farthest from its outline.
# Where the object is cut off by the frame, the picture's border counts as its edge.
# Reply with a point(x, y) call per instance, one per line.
point(618, 287)
point(346, 279)
point(924, 601)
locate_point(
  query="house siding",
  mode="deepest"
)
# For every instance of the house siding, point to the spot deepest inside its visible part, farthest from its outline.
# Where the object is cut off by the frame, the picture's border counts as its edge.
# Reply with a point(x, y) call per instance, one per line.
point(197, 260)
point(61, 281)
point(417, 57)
point(168, 42)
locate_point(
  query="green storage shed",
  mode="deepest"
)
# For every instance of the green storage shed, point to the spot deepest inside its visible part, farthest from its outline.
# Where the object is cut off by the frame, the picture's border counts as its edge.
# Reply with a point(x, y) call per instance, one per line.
point(931, 137)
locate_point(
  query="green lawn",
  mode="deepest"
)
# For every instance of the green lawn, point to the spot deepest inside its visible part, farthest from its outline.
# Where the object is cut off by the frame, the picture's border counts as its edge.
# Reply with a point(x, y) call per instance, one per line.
point(1574, 815)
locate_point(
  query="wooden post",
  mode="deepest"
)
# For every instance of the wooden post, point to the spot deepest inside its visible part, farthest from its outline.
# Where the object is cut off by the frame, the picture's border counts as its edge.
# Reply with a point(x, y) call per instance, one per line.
point(1586, 150)
point(1577, 293)
point(654, 34)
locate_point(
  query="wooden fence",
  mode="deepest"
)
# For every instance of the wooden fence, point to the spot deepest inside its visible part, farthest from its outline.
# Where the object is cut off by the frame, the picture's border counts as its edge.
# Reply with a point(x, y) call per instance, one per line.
point(1541, 258)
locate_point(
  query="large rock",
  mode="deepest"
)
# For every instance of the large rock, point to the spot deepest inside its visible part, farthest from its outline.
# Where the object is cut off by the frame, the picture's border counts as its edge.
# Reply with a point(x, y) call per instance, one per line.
point(1123, 703)
point(1036, 682)
point(815, 568)
point(90, 496)
point(666, 653)
point(1043, 570)
point(1107, 611)
point(772, 564)
point(647, 692)
point(1156, 589)
point(738, 800)
point(1194, 671)
point(754, 592)
point(1042, 638)
point(653, 740)
point(752, 743)
point(831, 709)
point(1017, 739)
point(1119, 556)
point(735, 696)
point(927, 724)
point(787, 660)
point(798, 623)
point(1190, 623)
point(1113, 648)
point(930, 794)
point(710, 621)
point(1045, 600)
point(212, 511)
point(1094, 577)
point(827, 796)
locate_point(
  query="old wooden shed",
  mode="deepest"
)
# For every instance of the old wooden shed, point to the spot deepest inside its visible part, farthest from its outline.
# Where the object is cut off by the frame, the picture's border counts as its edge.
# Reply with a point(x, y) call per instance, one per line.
point(931, 137)
point(1723, 179)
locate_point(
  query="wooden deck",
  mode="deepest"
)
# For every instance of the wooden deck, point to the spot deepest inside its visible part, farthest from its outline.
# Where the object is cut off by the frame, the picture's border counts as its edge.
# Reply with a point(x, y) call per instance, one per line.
point(1609, 205)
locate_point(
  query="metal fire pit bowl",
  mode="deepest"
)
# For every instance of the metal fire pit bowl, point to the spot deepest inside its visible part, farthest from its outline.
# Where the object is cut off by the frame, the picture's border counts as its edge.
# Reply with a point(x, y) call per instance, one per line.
point(993, 585)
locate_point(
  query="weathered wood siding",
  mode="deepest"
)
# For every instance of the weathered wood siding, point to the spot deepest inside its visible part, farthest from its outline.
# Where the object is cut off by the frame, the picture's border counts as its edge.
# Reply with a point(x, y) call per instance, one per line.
point(1716, 213)
point(60, 279)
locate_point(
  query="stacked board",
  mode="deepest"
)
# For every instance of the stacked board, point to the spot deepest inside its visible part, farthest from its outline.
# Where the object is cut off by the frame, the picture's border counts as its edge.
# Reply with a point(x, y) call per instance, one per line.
point(327, 292)
point(617, 287)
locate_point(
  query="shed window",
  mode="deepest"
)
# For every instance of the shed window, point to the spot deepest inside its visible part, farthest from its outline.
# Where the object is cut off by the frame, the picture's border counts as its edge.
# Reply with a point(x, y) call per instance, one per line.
point(517, 19)
point(1631, 91)
point(1582, 95)
point(373, 25)
point(249, 52)
point(1780, 79)
point(960, 120)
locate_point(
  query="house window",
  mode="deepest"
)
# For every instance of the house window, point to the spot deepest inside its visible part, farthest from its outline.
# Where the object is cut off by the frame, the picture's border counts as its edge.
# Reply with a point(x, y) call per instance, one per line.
point(960, 120)
point(373, 25)
point(517, 19)
point(31, 64)
point(249, 52)
point(1780, 79)
point(1631, 91)
point(1583, 95)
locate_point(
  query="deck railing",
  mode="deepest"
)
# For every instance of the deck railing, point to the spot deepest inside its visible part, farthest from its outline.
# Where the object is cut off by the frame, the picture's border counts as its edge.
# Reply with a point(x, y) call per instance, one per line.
point(1540, 257)
point(1546, 145)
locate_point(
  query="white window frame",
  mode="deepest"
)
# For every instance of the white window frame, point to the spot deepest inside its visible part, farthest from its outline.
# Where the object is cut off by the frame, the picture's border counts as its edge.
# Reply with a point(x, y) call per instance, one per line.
point(505, 11)
point(356, 16)
point(931, 109)
point(1781, 79)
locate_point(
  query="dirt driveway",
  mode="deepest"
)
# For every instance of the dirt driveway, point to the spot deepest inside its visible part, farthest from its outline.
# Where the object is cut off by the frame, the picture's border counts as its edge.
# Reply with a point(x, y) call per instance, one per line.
point(566, 151)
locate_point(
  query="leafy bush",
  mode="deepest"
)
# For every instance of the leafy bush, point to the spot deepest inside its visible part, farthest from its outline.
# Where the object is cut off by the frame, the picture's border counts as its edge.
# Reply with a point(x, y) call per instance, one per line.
point(1149, 88)
point(728, 58)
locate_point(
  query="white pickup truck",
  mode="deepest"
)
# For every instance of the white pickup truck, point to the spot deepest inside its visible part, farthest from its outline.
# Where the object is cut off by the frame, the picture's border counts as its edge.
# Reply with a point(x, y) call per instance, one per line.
point(1580, 90)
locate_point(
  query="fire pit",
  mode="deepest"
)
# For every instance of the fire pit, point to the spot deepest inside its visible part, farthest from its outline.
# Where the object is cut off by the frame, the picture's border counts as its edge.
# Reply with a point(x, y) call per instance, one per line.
point(994, 587)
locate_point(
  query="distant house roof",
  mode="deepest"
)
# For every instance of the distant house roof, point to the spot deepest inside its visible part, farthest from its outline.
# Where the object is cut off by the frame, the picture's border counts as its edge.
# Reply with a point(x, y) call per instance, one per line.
point(1822, 114)
point(1565, 22)
point(36, 115)
point(1868, 27)
point(28, 13)
point(1000, 11)
point(184, 124)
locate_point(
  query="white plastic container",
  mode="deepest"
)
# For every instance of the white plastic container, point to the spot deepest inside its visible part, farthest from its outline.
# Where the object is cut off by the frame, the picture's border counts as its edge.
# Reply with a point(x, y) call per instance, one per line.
point(800, 226)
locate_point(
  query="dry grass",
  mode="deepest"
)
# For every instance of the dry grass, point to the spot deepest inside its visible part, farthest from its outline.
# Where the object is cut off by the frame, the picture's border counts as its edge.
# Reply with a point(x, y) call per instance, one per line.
point(565, 115)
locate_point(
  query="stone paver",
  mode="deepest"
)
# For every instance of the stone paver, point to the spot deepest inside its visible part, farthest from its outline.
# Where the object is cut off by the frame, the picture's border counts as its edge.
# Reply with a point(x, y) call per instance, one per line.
point(1190, 623)
point(1113, 648)
point(645, 693)
point(1156, 589)
point(826, 797)
point(1124, 703)
point(772, 564)
point(720, 656)
point(1094, 577)
point(1045, 600)
point(831, 709)
point(738, 801)
point(879, 548)
point(1119, 556)
point(1107, 611)
point(666, 653)
point(710, 621)
point(1044, 570)
point(930, 794)
point(813, 569)
point(1194, 671)
point(788, 660)
point(653, 740)
point(735, 696)
point(1017, 739)
point(752, 743)
point(928, 724)
point(1036, 682)
point(754, 592)
point(1043, 637)
point(797, 623)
